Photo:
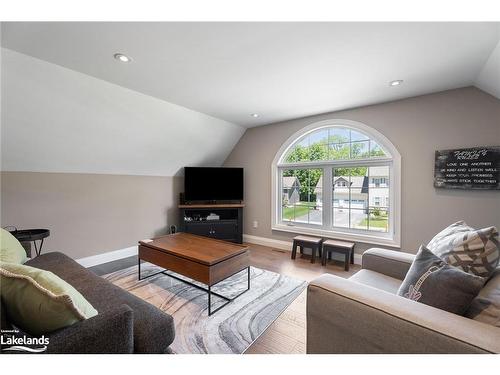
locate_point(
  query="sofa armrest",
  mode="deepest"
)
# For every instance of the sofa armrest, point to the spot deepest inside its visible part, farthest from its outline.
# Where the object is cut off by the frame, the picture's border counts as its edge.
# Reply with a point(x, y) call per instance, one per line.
point(347, 317)
point(388, 262)
point(109, 332)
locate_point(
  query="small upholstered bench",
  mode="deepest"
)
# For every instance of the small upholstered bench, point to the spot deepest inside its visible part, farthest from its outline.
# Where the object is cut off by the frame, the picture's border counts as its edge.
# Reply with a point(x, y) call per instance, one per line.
point(343, 247)
point(313, 243)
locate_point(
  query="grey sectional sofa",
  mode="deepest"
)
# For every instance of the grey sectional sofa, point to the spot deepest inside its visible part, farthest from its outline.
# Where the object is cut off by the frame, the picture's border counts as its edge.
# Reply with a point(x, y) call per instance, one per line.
point(125, 323)
point(364, 314)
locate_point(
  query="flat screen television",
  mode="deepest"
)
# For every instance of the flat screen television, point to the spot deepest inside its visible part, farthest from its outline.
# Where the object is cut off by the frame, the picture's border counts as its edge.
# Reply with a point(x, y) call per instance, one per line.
point(213, 184)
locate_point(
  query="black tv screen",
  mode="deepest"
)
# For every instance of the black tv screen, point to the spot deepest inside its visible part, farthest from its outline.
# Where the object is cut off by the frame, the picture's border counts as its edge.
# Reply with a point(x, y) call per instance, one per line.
point(213, 184)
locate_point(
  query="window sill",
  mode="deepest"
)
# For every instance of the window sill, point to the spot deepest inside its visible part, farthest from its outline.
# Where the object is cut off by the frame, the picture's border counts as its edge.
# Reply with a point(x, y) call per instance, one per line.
point(356, 237)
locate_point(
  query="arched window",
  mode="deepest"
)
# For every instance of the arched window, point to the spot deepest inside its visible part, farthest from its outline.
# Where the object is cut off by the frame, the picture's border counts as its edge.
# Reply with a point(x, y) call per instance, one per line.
point(340, 179)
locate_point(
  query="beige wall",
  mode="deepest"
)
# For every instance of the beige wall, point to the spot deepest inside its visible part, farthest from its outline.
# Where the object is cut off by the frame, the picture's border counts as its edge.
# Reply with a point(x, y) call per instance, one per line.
point(417, 127)
point(89, 214)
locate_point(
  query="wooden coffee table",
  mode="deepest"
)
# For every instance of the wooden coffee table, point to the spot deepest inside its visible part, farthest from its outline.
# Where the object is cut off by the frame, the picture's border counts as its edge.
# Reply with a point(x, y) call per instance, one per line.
point(202, 259)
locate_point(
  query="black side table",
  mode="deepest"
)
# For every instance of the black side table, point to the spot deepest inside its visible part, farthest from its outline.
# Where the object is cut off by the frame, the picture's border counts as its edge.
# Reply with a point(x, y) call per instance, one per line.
point(32, 235)
point(343, 247)
point(314, 243)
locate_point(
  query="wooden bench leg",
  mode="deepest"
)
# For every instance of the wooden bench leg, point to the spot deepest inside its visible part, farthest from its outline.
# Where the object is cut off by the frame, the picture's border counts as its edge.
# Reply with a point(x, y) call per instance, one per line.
point(352, 256)
point(323, 258)
point(294, 250)
point(346, 261)
point(313, 253)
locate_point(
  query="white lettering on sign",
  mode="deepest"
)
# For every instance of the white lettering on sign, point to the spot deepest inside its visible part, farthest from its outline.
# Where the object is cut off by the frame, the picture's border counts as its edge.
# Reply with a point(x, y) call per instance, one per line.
point(470, 154)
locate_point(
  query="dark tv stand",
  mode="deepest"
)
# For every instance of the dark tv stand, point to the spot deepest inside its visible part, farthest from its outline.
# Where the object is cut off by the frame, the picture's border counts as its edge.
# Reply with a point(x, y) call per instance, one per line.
point(229, 227)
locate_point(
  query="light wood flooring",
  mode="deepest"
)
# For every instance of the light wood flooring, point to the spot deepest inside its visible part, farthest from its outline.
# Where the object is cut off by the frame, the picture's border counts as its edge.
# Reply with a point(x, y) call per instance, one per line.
point(287, 334)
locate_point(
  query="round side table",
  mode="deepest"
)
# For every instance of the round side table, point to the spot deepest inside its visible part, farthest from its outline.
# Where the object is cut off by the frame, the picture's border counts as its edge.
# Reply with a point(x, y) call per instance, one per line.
point(32, 235)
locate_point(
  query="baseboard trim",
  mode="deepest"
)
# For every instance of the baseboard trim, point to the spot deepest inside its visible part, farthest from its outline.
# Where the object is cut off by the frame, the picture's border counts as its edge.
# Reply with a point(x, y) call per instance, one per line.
point(271, 242)
point(109, 256)
point(280, 244)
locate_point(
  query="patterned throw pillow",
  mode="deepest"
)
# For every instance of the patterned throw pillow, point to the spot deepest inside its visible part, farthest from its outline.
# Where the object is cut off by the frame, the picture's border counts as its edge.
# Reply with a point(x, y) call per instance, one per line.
point(472, 250)
point(432, 281)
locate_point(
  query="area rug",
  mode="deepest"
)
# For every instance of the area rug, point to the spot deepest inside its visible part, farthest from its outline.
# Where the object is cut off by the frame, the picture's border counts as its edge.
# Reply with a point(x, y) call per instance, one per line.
point(230, 330)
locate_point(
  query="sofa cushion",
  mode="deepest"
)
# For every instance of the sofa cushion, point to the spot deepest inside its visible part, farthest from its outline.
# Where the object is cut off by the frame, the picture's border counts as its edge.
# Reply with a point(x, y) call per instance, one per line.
point(389, 262)
point(40, 302)
point(153, 329)
point(486, 306)
point(432, 281)
point(475, 251)
point(11, 250)
point(377, 280)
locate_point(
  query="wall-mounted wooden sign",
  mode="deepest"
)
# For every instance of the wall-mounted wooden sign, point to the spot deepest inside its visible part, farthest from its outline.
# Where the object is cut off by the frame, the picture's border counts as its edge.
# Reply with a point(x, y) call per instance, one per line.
point(468, 168)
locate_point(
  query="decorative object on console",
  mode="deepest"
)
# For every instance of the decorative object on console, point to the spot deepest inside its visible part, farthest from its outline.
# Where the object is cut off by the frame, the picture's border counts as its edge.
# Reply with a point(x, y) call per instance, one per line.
point(213, 216)
point(472, 250)
point(469, 168)
point(435, 283)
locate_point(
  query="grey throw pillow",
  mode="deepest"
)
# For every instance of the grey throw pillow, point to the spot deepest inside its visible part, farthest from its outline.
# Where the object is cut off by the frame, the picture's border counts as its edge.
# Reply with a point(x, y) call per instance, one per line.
point(472, 250)
point(432, 281)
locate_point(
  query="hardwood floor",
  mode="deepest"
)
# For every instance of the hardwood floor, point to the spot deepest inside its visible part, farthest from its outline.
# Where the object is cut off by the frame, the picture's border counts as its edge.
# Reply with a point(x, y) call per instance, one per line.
point(287, 334)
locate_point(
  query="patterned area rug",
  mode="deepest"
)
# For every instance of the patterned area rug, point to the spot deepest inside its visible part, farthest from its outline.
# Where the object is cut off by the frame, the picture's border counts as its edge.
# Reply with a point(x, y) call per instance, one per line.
point(231, 329)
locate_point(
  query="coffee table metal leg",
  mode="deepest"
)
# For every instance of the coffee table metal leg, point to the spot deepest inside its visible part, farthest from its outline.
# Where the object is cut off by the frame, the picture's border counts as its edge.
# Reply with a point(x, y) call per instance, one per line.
point(148, 276)
point(229, 300)
point(209, 300)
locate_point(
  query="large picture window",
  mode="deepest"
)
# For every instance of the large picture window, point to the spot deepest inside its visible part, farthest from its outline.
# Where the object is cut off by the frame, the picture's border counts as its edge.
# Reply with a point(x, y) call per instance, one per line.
point(340, 179)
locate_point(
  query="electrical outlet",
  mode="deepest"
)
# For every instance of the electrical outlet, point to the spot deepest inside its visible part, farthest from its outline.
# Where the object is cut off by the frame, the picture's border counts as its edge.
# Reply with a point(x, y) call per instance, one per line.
point(255, 224)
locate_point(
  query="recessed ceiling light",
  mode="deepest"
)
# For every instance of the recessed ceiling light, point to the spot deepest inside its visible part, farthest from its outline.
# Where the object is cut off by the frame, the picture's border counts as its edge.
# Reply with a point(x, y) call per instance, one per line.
point(121, 57)
point(396, 82)
point(255, 115)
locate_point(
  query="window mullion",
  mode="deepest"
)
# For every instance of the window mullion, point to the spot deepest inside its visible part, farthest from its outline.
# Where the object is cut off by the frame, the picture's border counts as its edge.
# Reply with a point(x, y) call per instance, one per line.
point(327, 197)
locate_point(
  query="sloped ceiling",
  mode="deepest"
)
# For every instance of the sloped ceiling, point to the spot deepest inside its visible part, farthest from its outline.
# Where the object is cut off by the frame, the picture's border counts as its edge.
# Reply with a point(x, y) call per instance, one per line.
point(278, 70)
point(489, 78)
point(58, 120)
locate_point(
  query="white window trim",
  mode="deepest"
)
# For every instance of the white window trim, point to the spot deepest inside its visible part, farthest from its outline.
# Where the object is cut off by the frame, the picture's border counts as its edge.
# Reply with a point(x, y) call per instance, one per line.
point(392, 239)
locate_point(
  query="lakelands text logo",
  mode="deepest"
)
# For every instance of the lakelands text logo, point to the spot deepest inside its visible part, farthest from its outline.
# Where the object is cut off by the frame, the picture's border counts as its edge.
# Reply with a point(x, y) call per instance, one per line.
point(13, 342)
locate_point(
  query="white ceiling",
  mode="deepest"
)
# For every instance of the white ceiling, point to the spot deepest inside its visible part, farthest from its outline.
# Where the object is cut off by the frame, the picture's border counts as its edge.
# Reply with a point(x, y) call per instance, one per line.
point(278, 70)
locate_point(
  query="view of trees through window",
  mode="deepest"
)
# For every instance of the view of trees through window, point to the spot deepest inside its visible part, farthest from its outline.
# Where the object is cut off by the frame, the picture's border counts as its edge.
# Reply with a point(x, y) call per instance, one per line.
point(359, 194)
point(334, 144)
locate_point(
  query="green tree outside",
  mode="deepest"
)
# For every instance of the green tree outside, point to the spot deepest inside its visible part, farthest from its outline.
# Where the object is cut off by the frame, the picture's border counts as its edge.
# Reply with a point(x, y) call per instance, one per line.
point(334, 148)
